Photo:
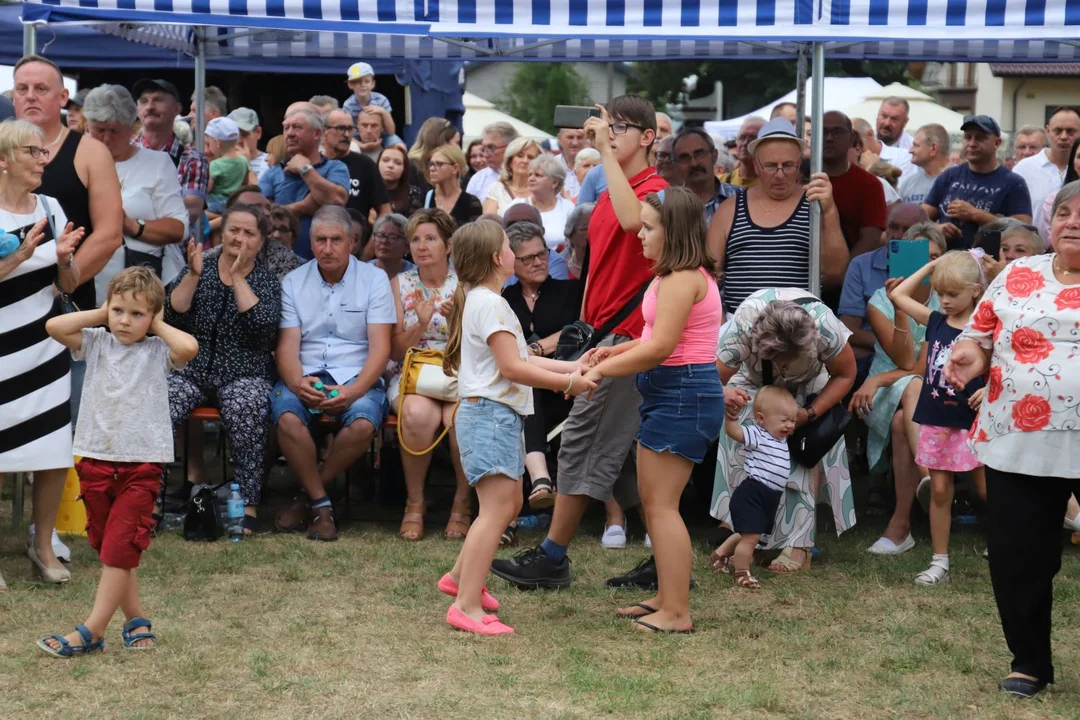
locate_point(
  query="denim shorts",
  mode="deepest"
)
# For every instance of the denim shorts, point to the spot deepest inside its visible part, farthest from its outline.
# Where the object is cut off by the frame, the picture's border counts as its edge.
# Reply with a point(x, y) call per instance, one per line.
point(682, 409)
point(371, 407)
point(490, 440)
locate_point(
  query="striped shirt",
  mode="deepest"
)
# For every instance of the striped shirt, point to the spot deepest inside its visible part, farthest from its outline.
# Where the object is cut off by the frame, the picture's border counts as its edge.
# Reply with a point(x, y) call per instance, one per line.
point(758, 258)
point(767, 459)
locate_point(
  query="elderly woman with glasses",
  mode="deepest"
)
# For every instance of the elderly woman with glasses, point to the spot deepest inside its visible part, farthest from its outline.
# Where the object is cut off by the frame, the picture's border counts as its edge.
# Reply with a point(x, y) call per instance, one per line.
point(391, 245)
point(576, 233)
point(284, 225)
point(154, 212)
point(544, 306)
point(513, 182)
point(761, 238)
point(546, 178)
point(445, 169)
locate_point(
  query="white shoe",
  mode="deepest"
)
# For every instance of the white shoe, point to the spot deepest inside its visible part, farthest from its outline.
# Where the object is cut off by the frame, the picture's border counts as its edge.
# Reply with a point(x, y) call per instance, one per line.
point(1072, 523)
point(648, 541)
point(922, 492)
point(614, 537)
point(885, 546)
point(60, 550)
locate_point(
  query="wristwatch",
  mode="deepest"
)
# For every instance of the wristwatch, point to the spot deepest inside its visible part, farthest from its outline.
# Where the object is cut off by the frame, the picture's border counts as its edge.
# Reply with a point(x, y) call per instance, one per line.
point(142, 228)
point(304, 169)
point(811, 413)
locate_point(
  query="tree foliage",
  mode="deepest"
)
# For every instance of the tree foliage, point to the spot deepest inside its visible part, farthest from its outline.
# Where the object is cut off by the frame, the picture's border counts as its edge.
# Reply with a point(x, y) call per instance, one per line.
point(747, 84)
point(537, 88)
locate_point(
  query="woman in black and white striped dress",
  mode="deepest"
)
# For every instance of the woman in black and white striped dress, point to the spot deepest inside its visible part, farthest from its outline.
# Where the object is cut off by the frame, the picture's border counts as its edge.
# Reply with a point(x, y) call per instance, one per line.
point(35, 414)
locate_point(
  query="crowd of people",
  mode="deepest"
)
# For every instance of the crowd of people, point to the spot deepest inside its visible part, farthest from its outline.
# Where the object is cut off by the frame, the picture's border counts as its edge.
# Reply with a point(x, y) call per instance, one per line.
point(642, 295)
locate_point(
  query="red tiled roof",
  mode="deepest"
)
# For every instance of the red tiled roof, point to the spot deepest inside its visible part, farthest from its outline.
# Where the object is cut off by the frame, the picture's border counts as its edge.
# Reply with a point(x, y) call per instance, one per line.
point(1035, 69)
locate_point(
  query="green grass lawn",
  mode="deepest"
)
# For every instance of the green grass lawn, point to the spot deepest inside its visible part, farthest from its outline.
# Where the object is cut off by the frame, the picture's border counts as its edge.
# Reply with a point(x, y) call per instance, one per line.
point(286, 628)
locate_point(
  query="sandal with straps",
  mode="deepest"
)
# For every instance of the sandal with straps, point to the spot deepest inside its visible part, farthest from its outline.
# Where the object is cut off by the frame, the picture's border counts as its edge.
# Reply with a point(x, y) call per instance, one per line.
point(66, 651)
point(457, 527)
point(784, 564)
point(508, 537)
point(542, 495)
point(933, 575)
point(412, 528)
point(720, 563)
point(744, 579)
point(130, 637)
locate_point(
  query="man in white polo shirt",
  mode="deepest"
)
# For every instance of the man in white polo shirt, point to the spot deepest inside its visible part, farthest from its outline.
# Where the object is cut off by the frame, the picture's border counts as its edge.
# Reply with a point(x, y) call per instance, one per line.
point(1044, 171)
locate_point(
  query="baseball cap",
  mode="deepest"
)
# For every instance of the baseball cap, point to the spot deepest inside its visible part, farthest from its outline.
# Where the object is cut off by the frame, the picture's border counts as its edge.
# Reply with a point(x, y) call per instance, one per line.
point(245, 118)
point(78, 98)
point(982, 122)
point(148, 85)
point(223, 129)
point(777, 129)
point(360, 70)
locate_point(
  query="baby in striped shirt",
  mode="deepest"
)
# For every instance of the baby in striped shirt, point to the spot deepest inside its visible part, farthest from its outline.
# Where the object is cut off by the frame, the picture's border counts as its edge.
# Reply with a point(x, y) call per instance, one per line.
point(768, 465)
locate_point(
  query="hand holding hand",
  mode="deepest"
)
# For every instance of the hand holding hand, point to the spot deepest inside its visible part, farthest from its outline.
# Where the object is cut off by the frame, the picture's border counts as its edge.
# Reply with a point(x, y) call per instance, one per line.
point(966, 363)
point(580, 384)
point(735, 399)
point(600, 355)
point(194, 258)
point(594, 378)
point(586, 362)
point(820, 189)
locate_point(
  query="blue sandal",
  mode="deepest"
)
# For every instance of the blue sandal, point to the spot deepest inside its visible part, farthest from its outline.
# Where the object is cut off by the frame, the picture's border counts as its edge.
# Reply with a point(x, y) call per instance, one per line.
point(67, 650)
point(130, 637)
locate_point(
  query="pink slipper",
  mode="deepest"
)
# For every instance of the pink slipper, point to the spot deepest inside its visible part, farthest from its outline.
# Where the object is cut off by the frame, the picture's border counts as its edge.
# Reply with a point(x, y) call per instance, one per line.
point(449, 587)
point(490, 625)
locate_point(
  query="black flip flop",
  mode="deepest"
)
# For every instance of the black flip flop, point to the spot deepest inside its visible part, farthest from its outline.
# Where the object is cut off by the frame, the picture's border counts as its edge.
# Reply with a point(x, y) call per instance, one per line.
point(649, 610)
point(653, 628)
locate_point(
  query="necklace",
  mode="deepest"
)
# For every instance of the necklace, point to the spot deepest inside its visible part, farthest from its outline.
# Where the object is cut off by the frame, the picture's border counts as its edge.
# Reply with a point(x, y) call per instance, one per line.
point(766, 208)
point(531, 296)
point(58, 136)
point(1061, 269)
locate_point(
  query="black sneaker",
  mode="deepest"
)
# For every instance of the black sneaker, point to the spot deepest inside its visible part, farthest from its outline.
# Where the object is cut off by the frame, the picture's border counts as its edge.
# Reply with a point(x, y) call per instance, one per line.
point(1021, 687)
point(532, 569)
point(643, 577)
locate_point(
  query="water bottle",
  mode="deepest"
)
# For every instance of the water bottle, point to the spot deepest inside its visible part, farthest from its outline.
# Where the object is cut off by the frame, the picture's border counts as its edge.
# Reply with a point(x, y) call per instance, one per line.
point(533, 522)
point(235, 505)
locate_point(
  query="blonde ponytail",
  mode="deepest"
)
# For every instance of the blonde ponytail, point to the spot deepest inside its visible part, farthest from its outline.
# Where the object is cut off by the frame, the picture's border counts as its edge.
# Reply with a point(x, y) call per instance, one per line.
point(473, 248)
point(452, 353)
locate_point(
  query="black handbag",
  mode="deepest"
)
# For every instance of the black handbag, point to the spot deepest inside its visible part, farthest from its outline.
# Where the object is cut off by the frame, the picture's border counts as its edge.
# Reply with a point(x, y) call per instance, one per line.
point(201, 522)
point(813, 441)
point(579, 337)
point(136, 258)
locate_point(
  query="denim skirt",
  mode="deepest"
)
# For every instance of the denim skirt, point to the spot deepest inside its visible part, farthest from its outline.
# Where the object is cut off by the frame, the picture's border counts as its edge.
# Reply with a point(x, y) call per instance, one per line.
point(682, 409)
point(490, 439)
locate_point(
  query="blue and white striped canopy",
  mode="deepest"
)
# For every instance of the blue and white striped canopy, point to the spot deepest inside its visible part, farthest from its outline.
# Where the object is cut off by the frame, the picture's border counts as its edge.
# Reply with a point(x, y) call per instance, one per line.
point(970, 30)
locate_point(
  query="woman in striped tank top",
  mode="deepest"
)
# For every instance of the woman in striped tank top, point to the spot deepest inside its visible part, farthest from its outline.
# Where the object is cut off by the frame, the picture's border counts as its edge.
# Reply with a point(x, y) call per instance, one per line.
point(761, 237)
point(682, 406)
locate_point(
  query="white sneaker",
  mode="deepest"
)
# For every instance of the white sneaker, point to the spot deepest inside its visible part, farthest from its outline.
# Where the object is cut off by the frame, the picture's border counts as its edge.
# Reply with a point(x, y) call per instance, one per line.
point(648, 541)
point(614, 537)
point(885, 546)
point(60, 550)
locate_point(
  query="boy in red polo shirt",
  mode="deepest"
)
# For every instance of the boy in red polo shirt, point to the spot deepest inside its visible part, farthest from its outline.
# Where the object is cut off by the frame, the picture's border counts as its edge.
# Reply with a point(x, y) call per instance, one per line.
point(599, 434)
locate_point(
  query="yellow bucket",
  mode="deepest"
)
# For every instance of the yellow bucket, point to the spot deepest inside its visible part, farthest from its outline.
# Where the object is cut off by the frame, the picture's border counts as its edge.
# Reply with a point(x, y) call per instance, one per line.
point(71, 518)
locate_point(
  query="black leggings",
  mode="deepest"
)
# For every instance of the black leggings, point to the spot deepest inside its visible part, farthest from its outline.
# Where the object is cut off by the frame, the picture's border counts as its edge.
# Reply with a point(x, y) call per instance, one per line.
point(1024, 538)
point(549, 409)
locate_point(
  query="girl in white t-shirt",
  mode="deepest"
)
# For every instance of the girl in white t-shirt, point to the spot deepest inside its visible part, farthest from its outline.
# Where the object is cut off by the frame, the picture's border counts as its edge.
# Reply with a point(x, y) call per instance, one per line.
point(487, 352)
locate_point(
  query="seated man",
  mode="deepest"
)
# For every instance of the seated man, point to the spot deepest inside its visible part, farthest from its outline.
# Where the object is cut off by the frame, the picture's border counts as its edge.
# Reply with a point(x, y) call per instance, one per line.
point(336, 319)
point(867, 273)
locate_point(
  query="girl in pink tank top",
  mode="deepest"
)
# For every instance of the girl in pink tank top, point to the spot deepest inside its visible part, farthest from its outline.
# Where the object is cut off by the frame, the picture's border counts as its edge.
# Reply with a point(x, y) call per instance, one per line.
point(682, 399)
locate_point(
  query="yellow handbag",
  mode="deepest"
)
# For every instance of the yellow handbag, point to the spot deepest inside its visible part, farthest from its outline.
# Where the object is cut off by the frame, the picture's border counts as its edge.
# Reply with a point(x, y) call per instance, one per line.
point(422, 374)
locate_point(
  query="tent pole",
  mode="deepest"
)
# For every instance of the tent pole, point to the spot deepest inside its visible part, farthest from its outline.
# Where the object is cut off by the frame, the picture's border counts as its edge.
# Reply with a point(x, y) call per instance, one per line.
point(29, 39)
point(199, 125)
point(816, 113)
point(800, 90)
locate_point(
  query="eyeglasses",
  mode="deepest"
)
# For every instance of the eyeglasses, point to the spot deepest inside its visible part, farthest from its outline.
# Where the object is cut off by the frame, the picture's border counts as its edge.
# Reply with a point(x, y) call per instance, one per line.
point(492, 148)
point(36, 152)
point(281, 230)
point(536, 257)
point(340, 128)
point(699, 155)
point(774, 169)
point(745, 139)
point(438, 165)
point(620, 128)
point(663, 156)
point(387, 237)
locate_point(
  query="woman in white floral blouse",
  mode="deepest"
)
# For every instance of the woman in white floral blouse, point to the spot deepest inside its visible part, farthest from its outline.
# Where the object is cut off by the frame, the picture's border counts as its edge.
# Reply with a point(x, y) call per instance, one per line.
point(1025, 333)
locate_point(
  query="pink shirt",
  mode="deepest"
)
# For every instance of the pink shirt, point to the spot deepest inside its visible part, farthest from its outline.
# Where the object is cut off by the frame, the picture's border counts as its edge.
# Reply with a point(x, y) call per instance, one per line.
point(699, 337)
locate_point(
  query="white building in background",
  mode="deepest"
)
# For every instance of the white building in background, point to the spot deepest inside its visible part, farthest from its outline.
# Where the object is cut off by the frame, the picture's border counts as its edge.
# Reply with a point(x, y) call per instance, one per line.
point(489, 80)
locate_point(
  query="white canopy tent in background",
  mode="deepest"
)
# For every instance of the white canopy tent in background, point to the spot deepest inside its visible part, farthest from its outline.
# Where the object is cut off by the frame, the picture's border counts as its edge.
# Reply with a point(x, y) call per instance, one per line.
point(480, 113)
point(923, 110)
point(839, 92)
point(607, 30)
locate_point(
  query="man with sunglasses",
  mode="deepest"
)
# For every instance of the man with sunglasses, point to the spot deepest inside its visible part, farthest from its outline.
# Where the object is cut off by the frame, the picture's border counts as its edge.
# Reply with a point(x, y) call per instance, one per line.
point(744, 175)
point(695, 158)
point(366, 187)
point(497, 136)
point(859, 197)
point(595, 461)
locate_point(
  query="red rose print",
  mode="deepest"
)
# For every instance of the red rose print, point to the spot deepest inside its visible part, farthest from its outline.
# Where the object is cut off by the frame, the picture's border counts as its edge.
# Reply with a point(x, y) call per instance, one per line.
point(1030, 346)
point(993, 388)
point(997, 330)
point(982, 437)
point(984, 318)
point(1031, 413)
point(1068, 299)
point(1022, 281)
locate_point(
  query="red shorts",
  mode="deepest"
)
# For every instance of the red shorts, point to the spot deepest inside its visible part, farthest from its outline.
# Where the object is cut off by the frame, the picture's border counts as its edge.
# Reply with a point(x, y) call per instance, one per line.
point(119, 500)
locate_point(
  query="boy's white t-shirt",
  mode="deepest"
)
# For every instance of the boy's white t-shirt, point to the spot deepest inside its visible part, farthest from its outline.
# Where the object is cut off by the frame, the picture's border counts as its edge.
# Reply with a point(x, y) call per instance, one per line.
point(124, 413)
point(485, 314)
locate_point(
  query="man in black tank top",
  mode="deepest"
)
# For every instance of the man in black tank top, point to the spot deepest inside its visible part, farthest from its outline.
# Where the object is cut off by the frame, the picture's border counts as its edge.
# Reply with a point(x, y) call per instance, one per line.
point(81, 174)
